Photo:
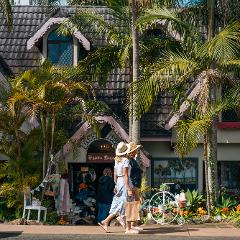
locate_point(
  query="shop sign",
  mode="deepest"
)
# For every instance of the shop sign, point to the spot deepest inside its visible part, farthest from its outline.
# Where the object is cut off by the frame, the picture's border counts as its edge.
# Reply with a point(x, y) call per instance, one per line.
point(100, 157)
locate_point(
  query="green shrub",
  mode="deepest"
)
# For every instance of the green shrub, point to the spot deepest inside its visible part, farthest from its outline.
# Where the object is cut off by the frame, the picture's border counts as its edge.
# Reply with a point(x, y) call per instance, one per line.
point(194, 200)
point(52, 218)
point(226, 202)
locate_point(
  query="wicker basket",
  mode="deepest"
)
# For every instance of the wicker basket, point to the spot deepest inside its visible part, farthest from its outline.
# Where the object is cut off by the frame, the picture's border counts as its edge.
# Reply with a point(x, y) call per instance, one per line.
point(182, 204)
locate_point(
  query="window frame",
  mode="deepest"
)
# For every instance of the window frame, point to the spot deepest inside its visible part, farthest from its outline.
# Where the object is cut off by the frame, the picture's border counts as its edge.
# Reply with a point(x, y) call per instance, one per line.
point(59, 43)
point(159, 159)
point(44, 54)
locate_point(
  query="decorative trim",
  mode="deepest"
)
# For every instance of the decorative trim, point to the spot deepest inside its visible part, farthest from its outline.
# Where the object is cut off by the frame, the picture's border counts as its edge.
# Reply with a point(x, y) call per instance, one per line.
point(228, 125)
point(47, 25)
point(117, 128)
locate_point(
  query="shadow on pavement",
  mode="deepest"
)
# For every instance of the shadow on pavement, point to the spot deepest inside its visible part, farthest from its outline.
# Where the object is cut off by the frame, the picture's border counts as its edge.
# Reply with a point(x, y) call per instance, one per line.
point(9, 234)
point(165, 230)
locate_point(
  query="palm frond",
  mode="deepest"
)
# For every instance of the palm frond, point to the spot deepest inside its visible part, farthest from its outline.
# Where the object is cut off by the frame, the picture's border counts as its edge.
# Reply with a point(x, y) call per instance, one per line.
point(179, 65)
point(174, 69)
point(96, 25)
point(190, 132)
point(164, 17)
point(224, 46)
point(98, 64)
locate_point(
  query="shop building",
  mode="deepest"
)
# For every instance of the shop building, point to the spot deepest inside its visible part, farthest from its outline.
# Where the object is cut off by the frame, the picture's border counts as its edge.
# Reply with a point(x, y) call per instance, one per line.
point(34, 39)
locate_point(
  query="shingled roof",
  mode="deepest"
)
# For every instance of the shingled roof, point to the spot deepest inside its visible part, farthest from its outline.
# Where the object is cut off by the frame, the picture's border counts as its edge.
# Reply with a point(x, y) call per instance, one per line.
point(13, 49)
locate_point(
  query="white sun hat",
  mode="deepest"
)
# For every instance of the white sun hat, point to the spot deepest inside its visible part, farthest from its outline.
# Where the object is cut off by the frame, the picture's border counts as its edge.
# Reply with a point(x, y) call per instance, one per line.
point(122, 149)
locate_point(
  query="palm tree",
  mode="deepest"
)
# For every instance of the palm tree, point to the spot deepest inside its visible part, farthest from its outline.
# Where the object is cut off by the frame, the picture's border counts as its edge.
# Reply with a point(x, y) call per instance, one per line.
point(125, 44)
point(5, 5)
point(202, 65)
point(44, 92)
point(21, 147)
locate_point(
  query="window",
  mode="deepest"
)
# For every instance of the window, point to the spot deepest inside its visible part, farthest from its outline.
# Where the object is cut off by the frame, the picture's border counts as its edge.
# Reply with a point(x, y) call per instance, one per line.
point(229, 115)
point(60, 49)
point(182, 172)
point(229, 176)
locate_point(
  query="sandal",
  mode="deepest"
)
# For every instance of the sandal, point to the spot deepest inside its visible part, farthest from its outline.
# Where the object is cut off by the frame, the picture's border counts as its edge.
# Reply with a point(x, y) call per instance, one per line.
point(105, 228)
point(132, 231)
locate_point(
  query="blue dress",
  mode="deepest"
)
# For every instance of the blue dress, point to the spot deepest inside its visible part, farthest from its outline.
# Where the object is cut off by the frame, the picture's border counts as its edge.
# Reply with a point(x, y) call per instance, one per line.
point(120, 197)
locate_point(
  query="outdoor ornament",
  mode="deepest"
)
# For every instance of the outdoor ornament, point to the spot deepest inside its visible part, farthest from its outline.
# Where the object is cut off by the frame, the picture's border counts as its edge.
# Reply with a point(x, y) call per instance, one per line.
point(45, 180)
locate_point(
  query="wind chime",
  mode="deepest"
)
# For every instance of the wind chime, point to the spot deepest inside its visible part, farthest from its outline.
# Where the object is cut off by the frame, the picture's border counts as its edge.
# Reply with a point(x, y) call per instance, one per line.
point(44, 182)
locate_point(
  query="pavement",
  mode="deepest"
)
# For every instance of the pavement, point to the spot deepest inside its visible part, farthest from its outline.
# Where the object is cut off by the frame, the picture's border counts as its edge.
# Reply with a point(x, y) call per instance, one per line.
point(153, 232)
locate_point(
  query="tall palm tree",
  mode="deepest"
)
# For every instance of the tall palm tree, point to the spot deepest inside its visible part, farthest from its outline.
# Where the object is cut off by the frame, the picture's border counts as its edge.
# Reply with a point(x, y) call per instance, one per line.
point(199, 64)
point(5, 6)
point(44, 92)
point(124, 43)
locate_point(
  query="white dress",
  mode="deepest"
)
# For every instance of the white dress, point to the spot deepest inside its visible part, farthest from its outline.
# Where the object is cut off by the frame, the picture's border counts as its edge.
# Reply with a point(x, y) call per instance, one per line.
point(120, 197)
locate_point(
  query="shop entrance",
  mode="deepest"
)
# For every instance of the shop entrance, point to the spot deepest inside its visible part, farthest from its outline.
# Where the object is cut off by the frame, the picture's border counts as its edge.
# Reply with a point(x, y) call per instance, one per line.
point(84, 179)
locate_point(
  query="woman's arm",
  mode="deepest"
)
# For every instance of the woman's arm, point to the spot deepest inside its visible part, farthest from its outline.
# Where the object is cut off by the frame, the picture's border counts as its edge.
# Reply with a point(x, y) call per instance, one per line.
point(115, 176)
point(115, 180)
point(125, 173)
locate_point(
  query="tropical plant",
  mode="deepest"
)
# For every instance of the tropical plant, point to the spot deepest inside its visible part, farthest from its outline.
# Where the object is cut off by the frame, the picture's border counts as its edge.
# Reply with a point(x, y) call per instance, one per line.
point(194, 200)
point(21, 147)
point(226, 203)
point(204, 66)
point(44, 92)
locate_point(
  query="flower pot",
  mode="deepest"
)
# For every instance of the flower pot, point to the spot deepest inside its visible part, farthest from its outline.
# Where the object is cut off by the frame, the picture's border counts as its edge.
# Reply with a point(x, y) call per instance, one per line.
point(182, 204)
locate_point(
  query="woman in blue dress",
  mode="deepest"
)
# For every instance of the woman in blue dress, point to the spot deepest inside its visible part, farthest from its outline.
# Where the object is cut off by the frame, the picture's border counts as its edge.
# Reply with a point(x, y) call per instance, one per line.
point(123, 188)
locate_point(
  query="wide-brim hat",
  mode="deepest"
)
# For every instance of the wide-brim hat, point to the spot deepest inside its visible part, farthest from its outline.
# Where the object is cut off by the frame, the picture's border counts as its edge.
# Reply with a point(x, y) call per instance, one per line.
point(133, 147)
point(122, 149)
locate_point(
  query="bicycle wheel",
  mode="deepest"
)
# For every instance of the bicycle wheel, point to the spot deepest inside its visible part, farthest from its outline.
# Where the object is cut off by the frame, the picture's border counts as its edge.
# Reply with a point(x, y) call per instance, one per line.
point(163, 207)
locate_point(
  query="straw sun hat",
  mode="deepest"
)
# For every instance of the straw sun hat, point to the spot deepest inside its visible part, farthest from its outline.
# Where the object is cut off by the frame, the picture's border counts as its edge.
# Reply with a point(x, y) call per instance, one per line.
point(122, 149)
point(133, 147)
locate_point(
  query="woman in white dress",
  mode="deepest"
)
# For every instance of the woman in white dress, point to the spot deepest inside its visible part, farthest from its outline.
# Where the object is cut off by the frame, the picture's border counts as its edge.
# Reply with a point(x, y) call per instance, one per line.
point(123, 187)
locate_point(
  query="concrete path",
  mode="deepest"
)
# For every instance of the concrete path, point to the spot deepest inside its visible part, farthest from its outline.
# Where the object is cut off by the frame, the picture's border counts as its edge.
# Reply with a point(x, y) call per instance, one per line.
point(206, 231)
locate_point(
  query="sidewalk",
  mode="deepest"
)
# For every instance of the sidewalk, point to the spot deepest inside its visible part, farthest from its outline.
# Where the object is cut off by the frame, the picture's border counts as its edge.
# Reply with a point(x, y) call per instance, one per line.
point(182, 231)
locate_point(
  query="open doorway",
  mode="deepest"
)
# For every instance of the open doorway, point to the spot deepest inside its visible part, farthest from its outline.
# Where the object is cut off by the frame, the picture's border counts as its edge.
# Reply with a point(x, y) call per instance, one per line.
point(84, 178)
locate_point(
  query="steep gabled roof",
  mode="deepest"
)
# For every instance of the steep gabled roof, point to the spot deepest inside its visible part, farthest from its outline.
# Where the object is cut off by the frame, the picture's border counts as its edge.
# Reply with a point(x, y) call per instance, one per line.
point(27, 20)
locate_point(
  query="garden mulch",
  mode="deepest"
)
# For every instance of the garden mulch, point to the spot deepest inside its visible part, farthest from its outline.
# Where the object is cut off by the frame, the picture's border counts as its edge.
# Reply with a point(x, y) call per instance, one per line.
point(204, 230)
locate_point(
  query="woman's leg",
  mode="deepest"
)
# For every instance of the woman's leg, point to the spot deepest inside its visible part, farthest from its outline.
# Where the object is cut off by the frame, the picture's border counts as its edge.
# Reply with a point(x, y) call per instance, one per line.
point(107, 220)
point(130, 230)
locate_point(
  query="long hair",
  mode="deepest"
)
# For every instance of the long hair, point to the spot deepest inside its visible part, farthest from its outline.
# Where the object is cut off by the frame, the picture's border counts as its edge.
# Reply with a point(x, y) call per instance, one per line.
point(107, 172)
point(119, 158)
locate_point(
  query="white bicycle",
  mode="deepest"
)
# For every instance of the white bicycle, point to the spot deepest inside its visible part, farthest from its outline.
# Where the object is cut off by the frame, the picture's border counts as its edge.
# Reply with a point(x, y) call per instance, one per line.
point(163, 207)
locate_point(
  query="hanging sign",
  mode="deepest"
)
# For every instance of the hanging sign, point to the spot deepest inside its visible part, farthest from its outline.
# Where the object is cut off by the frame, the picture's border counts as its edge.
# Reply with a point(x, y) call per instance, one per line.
point(100, 157)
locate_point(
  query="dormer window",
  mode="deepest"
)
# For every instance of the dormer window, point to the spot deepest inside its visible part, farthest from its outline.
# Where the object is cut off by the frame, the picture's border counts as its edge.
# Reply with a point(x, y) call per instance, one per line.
point(60, 49)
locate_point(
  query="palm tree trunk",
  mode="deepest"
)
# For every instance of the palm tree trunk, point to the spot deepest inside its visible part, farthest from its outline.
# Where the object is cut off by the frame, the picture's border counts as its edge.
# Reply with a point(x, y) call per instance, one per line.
point(19, 155)
point(44, 126)
point(52, 132)
point(42, 119)
point(211, 136)
point(135, 128)
point(212, 167)
point(206, 175)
